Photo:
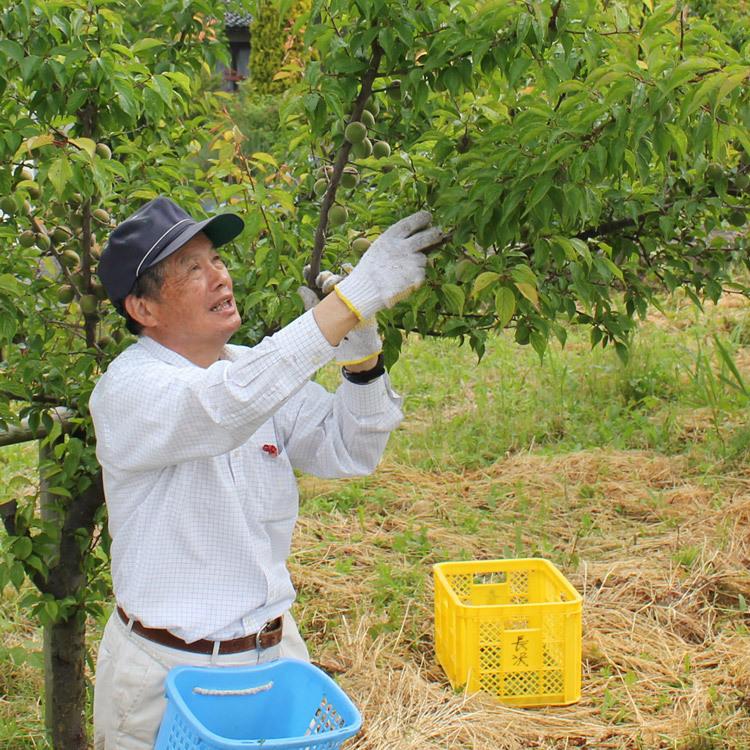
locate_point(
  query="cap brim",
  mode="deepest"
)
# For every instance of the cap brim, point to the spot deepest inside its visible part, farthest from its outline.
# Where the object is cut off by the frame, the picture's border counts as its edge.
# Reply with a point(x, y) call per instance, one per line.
point(219, 229)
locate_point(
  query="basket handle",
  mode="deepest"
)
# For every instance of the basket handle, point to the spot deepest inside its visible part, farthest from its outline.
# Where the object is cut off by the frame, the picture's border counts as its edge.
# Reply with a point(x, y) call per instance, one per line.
point(244, 691)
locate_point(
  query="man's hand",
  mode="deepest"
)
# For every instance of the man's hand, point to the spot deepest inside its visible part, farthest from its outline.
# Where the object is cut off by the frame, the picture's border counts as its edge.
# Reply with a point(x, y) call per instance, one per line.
point(362, 342)
point(391, 267)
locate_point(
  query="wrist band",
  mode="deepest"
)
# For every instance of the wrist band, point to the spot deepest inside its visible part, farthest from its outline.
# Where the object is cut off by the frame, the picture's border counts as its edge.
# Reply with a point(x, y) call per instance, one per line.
point(366, 376)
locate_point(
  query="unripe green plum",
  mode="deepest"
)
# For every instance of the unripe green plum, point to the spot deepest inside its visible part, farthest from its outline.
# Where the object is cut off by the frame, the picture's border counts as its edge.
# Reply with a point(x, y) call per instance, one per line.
point(360, 245)
point(737, 218)
point(337, 215)
point(70, 259)
point(522, 333)
point(103, 150)
point(355, 132)
point(320, 187)
point(362, 150)
point(43, 241)
point(368, 119)
point(349, 178)
point(88, 304)
point(101, 215)
point(27, 238)
point(104, 341)
point(65, 294)
point(61, 234)
point(714, 172)
point(381, 149)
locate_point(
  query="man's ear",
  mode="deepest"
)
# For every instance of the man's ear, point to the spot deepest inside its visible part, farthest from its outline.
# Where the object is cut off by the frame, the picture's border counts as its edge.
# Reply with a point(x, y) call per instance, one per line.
point(141, 309)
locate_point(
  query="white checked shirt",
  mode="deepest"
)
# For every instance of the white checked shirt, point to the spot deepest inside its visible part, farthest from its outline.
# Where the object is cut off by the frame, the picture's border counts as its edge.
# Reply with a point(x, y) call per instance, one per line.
point(198, 467)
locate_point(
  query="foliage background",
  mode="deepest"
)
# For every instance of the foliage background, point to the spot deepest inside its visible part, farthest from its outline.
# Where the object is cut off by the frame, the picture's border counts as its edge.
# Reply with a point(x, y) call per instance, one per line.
point(585, 156)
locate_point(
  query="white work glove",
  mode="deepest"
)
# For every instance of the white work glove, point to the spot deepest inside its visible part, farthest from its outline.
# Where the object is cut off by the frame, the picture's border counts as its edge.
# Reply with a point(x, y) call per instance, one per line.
point(391, 267)
point(362, 341)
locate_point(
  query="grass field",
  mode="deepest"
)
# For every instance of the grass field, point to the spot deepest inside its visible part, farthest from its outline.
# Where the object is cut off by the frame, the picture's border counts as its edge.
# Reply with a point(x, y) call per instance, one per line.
point(634, 480)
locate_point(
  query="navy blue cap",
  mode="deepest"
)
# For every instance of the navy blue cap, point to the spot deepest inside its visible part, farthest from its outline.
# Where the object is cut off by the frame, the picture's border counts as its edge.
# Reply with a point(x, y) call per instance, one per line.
point(151, 234)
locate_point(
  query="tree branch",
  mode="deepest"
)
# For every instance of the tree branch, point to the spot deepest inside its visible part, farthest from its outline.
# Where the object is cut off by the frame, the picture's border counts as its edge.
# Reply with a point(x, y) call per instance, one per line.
point(553, 19)
point(341, 159)
point(607, 228)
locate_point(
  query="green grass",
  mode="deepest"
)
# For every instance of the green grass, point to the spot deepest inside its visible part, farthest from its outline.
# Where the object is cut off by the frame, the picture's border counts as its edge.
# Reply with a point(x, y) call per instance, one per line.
point(463, 414)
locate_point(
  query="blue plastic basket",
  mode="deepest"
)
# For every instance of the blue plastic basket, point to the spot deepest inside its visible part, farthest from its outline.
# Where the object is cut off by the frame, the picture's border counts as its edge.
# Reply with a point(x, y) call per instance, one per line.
point(282, 704)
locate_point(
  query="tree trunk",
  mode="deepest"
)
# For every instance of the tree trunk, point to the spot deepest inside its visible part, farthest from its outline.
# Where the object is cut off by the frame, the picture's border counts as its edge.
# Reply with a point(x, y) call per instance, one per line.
point(65, 640)
point(64, 683)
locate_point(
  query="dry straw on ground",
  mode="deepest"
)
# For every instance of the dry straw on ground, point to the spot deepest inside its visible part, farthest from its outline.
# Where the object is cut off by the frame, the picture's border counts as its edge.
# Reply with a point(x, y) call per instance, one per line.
point(661, 563)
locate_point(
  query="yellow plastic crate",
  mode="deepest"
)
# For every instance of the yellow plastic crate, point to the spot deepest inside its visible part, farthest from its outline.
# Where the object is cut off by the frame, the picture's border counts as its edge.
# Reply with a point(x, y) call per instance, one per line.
point(511, 628)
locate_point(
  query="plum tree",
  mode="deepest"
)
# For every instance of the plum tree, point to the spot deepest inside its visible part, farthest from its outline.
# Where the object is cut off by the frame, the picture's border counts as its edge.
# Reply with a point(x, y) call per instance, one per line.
point(584, 156)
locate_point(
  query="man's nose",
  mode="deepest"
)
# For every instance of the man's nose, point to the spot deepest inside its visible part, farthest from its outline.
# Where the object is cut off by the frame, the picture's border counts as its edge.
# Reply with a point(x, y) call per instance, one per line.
point(220, 276)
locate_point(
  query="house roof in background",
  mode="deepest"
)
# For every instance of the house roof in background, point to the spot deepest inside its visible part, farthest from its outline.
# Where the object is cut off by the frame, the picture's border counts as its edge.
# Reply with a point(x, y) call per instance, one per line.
point(234, 19)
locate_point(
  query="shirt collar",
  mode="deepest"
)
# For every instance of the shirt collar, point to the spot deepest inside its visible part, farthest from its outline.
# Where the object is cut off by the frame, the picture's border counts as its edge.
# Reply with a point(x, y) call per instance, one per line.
point(165, 354)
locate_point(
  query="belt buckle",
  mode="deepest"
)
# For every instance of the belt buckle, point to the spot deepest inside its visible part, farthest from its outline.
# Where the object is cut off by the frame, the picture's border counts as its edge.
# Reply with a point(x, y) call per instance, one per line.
point(267, 627)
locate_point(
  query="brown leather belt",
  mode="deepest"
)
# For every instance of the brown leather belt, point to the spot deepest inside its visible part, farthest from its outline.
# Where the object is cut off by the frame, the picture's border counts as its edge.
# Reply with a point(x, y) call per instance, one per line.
point(269, 635)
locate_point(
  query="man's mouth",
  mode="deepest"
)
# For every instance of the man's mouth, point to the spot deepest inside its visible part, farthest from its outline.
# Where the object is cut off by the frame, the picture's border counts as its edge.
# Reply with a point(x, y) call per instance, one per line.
point(225, 304)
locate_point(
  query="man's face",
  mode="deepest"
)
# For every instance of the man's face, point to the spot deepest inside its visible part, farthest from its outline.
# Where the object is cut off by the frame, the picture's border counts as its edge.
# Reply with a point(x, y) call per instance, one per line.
point(195, 313)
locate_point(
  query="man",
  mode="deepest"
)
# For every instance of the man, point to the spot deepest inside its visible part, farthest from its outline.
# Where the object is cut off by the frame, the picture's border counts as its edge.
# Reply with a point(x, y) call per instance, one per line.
point(198, 441)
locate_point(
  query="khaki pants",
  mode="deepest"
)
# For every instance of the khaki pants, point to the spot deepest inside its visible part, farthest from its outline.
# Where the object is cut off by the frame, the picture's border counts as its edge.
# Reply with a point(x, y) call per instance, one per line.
point(129, 699)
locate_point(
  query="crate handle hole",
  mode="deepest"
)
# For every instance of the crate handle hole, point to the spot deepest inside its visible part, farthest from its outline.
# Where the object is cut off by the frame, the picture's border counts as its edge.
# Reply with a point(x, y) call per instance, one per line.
point(483, 579)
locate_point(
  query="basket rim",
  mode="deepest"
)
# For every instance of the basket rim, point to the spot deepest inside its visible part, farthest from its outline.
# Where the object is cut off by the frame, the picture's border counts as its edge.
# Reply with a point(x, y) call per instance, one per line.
point(500, 565)
point(335, 694)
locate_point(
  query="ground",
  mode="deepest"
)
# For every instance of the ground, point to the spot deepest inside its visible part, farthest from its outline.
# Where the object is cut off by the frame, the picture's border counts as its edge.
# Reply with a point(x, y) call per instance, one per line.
point(633, 480)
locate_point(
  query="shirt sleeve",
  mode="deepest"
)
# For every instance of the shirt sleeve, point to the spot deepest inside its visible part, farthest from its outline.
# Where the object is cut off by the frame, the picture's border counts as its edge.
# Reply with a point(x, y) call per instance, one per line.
point(149, 414)
point(339, 434)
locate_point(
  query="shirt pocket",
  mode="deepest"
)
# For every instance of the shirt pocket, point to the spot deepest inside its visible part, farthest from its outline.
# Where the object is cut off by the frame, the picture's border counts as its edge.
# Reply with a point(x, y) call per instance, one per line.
point(270, 487)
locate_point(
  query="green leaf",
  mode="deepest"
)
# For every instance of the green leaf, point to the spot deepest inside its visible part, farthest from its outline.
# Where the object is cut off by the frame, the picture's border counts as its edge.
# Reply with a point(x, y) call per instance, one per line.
point(541, 188)
point(505, 305)
point(524, 275)
point(35, 563)
point(29, 67)
point(622, 352)
point(147, 43)
point(22, 547)
point(61, 491)
point(529, 292)
point(11, 49)
point(265, 158)
point(730, 84)
point(614, 270)
point(59, 174)
point(10, 285)
point(17, 575)
point(85, 144)
point(180, 79)
point(454, 298)
point(483, 281)
point(125, 97)
point(38, 141)
point(538, 342)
